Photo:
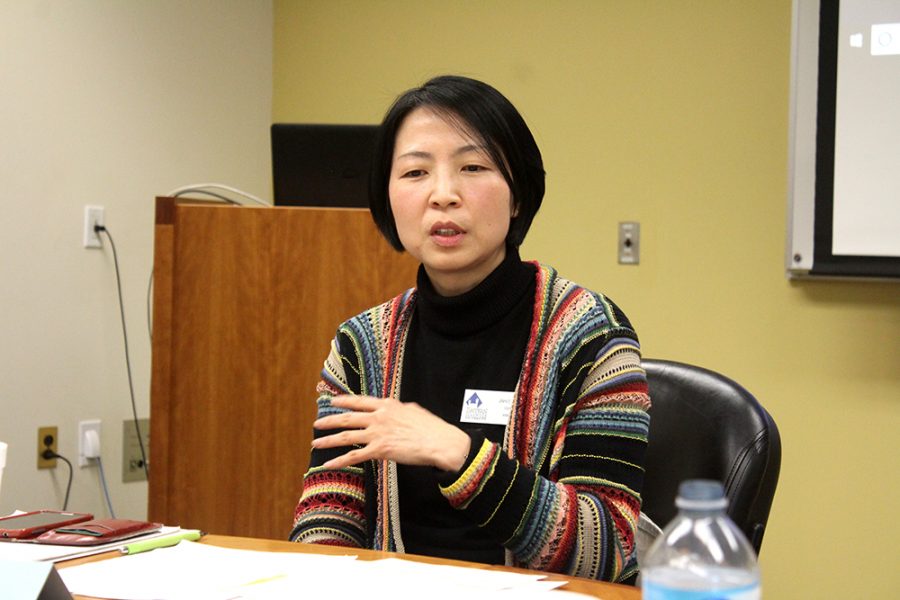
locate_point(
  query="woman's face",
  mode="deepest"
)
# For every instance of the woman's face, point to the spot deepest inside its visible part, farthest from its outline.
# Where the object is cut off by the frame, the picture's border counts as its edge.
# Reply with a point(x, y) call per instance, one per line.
point(451, 204)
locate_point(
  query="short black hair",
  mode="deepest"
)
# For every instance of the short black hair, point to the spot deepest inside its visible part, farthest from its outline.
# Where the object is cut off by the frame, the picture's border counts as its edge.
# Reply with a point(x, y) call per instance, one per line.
point(483, 112)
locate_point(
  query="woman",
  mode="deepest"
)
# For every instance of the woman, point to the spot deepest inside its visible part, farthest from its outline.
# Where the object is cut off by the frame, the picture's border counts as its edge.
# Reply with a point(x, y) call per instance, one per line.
point(497, 412)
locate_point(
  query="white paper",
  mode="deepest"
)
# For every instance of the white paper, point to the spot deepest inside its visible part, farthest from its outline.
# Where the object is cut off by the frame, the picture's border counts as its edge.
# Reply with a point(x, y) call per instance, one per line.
point(192, 570)
point(204, 572)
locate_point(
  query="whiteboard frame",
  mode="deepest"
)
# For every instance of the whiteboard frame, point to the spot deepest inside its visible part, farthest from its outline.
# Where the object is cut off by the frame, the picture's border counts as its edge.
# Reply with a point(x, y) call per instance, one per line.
point(802, 137)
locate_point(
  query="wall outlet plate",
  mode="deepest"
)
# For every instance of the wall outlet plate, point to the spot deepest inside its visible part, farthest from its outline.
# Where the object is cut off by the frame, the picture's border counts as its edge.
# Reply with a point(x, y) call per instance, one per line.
point(45, 433)
point(132, 459)
point(93, 215)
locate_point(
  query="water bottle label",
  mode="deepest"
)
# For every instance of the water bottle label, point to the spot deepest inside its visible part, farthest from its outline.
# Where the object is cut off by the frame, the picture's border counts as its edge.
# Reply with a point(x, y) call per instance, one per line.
point(653, 591)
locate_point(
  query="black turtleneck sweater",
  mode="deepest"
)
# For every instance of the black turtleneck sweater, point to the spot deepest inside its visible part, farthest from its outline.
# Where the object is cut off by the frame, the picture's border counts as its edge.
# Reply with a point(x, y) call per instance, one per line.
point(473, 341)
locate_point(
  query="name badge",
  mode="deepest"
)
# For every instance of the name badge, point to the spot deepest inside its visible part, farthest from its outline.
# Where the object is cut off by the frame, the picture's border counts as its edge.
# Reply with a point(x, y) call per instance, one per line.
point(487, 407)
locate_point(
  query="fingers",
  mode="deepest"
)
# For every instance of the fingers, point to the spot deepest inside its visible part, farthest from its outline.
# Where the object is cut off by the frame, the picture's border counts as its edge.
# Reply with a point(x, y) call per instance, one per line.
point(345, 460)
point(383, 428)
point(359, 403)
point(355, 422)
point(347, 420)
point(361, 453)
point(350, 437)
point(359, 409)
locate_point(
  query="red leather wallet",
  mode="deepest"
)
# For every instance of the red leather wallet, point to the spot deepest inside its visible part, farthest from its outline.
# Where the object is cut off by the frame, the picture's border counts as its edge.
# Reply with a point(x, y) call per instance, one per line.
point(98, 531)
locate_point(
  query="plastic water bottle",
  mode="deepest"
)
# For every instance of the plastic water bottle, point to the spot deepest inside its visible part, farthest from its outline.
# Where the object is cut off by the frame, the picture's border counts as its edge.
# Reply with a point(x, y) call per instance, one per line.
point(701, 554)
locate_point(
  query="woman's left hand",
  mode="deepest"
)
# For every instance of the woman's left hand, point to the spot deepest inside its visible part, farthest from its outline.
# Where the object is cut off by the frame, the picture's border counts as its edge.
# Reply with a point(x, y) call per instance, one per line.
point(387, 429)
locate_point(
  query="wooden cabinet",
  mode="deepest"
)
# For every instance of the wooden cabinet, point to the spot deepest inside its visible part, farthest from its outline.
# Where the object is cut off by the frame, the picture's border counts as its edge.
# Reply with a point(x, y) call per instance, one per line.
point(246, 302)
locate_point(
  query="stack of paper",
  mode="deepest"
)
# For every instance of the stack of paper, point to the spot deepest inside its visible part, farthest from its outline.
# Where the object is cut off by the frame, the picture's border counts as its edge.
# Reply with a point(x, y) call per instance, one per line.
point(200, 571)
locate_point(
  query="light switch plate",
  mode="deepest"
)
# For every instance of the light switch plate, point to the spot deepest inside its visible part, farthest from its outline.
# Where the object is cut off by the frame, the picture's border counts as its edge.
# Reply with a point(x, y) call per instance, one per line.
point(629, 243)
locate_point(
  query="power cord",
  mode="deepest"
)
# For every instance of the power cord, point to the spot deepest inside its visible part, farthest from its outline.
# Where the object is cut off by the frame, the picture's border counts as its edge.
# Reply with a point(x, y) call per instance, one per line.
point(103, 229)
point(203, 189)
point(112, 513)
point(49, 454)
point(149, 306)
point(196, 188)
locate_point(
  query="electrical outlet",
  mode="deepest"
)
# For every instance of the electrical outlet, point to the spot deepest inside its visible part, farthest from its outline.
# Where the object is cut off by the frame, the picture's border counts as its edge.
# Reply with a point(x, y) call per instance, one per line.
point(93, 215)
point(132, 457)
point(46, 439)
point(87, 448)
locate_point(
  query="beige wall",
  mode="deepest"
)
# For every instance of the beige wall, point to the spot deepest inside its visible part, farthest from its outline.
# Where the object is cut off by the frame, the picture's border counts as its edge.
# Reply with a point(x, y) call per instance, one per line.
point(674, 114)
point(110, 103)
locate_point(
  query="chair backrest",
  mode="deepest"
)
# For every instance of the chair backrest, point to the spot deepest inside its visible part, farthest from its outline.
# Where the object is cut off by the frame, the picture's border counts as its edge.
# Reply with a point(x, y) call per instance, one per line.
point(706, 426)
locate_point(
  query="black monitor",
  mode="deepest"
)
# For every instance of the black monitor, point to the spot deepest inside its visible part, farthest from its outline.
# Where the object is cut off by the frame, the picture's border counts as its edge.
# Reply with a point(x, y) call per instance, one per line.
point(321, 165)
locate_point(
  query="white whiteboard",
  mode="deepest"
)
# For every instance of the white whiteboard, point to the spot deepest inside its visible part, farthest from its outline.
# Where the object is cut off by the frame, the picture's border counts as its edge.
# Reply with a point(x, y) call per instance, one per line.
point(850, 226)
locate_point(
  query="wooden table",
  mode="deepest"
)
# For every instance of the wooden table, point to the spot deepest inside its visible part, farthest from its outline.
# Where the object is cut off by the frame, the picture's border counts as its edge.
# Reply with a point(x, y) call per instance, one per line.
point(607, 591)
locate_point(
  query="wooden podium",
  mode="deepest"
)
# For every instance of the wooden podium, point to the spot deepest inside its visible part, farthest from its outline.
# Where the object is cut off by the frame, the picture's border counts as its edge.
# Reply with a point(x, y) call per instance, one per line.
point(246, 302)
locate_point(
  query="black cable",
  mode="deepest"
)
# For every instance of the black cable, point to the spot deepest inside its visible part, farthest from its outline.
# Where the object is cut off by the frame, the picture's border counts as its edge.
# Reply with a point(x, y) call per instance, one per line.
point(48, 454)
point(137, 428)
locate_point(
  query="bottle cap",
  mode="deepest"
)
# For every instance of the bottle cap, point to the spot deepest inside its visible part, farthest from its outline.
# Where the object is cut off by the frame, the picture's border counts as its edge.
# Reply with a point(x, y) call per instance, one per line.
point(701, 494)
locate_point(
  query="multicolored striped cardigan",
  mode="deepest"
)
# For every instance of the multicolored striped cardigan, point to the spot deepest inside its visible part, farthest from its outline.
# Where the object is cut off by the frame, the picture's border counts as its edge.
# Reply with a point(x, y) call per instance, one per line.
point(562, 494)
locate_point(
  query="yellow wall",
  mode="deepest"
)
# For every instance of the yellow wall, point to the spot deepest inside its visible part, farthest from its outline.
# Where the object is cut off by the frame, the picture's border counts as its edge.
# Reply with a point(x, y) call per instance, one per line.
point(674, 114)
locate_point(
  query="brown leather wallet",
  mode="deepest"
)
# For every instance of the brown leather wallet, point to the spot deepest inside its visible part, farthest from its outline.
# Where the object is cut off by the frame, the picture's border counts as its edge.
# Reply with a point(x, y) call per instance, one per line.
point(98, 531)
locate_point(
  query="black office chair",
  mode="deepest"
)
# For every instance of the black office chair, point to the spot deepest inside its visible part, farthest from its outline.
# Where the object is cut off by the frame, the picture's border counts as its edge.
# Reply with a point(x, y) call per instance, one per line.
point(705, 426)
